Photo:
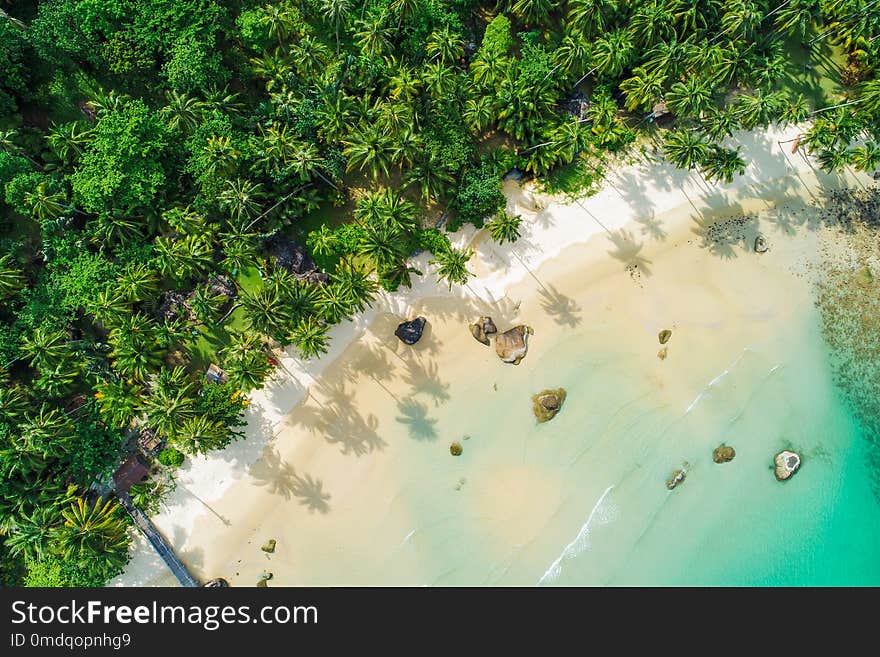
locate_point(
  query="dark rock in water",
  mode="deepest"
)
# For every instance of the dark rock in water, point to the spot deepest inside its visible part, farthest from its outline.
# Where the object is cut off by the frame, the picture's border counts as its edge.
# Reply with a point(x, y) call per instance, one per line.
point(547, 403)
point(723, 453)
point(676, 478)
point(455, 449)
point(512, 345)
point(410, 332)
point(269, 546)
point(487, 325)
point(289, 255)
point(761, 245)
point(663, 353)
point(786, 464)
point(479, 334)
point(664, 336)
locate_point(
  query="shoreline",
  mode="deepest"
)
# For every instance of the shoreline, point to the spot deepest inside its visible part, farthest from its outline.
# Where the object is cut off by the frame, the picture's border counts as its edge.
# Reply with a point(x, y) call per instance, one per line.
point(630, 201)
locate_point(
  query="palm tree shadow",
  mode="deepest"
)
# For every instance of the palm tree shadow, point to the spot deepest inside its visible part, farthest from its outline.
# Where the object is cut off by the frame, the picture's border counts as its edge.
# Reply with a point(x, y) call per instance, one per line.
point(426, 379)
point(651, 227)
point(310, 493)
point(275, 475)
point(627, 249)
point(564, 310)
point(721, 235)
point(414, 415)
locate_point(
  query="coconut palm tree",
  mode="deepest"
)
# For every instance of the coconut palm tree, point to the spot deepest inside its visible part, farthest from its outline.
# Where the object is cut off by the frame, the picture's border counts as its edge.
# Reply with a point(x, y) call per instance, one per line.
point(33, 534)
point(334, 303)
point(47, 434)
point(590, 16)
point(432, 179)
point(643, 89)
point(741, 19)
point(478, 113)
point(869, 96)
point(718, 124)
point(834, 159)
point(240, 249)
point(12, 278)
point(760, 108)
point(280, 21)
point(373, 38)
point(381, 244)
point(189, 257)
point(45, 204)
point(266, 311)
point(532, 12)
point(205, 304)
point(94, 531)
point(336, 12)
point(45, 348)
point(445, 44)
point(171, 402)
point(453, 266)
point(242, 198)
point(68, 141)
point(115, 227)
point(685, 149)
point(135, 351)
point(118, 402)
point(796, 17)
point(722, 164)
point(322, 241)
point(200, 434)
point(366, 148)
point(13, 402)
point(652, 22)
point(245, 361)
point(138, 282)
point(866, 158)
point(109, 306)
point(355, 283)
point(691, 98)
point(504, 227)
point(183, 112)
point(309, 337)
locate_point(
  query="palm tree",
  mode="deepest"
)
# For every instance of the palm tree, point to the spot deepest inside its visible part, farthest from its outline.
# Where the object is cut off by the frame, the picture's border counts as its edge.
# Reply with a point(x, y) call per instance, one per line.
point(109, 306)
point(355, 283)
point(206, 305)
point(12, 278)
point(722, 164)
point(691, 98)
point(94, 531)
point(445, 44)
point(242, 199)
point(322, 241)
point(367, 148)
point(115, 227)
point(612, 52)
point(200, 434)
point(336, 12)
point(373, 38)
point(685, 149)
point(118, 402)
point(504, 227)
point(866, 158)
point(13, 402)
point(742, 19)
point(44, 204)
point(280, 20)
point(573, 54)
point(652, 22)
point(532, 12)
point(182, 112)
point(309, 337)
point(453, 266)
point(135, 350)
point(58, 381)
point(381, 244)
point(47, 434)
point(760, 108)
point(834, 159)
point(245, 361)
point(869, 96)
point(266, 311)
point(643, 89)
point(428, 173)
point(68, 141)
point(189, 257)
point(478, 113)
point(171, 402)
point(33, 534)
point(45, 348)
point(795, 18)
point(334, 303)
point(590, 16)
point(138, 283)
point(240, 249)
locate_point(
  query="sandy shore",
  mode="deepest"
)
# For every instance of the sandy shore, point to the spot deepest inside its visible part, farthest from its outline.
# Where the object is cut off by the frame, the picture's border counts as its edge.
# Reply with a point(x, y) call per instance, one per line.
point(317, 471)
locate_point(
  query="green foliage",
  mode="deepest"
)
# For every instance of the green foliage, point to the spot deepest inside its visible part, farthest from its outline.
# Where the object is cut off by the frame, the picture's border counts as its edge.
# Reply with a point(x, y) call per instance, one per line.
point(125, 164)
point(497, 39)
point(95, 451)
point(477, 196)
point(171, 457)
point(222, 402)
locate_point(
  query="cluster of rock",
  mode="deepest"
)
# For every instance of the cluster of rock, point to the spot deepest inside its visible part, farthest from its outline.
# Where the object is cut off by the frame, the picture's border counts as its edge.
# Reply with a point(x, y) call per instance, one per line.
point(511, 346)
point(785, 463)
point(663, 336)
point(723, 453)
point(547, 403)
point(410, 331)
point(295, 258)
point(676, 478)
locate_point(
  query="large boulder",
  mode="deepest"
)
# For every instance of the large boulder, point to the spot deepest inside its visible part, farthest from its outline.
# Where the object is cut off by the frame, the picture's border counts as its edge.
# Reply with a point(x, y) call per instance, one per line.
point(786, 464)
point(455, 449)
point(411, 331)
point(761, 245)
point(723, 453)
point(547, 403)
point(676, 478)
point(482, 329)
point(289, 255)
point(664, 336)
point(512, 345)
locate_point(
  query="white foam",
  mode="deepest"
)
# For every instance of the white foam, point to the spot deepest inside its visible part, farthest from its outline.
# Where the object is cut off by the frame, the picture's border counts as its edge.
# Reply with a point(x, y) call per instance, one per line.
point(601, 515)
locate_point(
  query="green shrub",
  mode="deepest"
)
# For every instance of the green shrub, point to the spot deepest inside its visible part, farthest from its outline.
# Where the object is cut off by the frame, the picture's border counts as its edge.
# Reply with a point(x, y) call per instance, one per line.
point(171, 457)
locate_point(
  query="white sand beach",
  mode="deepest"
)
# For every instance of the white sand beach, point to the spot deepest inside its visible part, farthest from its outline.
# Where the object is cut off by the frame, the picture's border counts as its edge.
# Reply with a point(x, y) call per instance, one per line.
point(346, 462)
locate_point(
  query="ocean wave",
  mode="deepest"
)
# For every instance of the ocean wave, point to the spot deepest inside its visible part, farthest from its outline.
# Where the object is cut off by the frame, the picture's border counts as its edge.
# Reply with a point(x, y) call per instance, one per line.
point(602, 514)
point(705, 391)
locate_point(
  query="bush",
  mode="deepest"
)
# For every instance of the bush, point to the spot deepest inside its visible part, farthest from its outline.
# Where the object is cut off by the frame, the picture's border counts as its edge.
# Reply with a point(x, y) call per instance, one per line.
point(171, 457)
point(434, 241)
point(477, 196)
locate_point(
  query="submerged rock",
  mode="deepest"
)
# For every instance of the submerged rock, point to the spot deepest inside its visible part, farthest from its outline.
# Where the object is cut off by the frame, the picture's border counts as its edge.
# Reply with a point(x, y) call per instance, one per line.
point(787, 463)
point(547, 403)
point(512, 345)
point(264, 578)
point(664, 336)
point(761, 245)
point(455, 449)
point(269, 546)
point(676, 478)
point(723, 453)
point(410, 332)
point(864, 276)
point(663, 353)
